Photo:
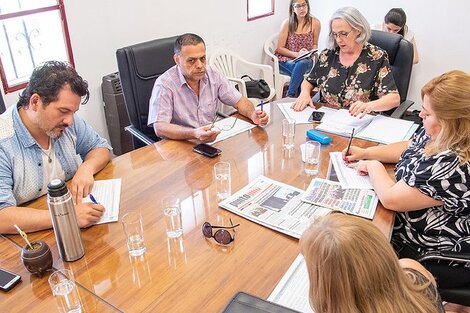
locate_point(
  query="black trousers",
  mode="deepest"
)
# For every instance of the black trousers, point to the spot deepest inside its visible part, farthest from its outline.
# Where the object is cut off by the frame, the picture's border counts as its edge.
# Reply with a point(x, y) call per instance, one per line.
point(446, 275)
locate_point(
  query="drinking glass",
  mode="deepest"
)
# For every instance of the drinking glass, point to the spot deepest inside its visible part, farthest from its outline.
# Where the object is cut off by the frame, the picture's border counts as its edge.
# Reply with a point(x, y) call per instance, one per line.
point(288, 133)
point(172, 212)
point(223, 180)
point(312, 157)
point(132, 224)
point(65, 291)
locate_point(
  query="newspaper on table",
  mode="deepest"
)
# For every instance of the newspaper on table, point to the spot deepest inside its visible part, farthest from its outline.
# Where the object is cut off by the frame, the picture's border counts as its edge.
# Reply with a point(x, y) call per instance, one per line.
point(330, 194)
point(275, 205)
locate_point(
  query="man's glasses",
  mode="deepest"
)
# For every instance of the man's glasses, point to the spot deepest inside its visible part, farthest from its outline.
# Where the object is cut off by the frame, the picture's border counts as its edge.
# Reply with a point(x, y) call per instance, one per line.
point(222, 235)
point(224, 126)
point(299, 5)
point(340, 35)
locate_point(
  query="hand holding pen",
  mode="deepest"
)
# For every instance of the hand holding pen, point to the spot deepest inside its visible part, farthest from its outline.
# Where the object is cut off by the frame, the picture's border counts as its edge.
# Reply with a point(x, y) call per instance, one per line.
point(348, 149)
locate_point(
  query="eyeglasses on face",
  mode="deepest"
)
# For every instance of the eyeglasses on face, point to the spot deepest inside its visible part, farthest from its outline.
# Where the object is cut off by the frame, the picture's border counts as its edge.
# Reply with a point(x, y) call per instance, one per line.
point(222, 235)
point(300, 5)
point(340, 35)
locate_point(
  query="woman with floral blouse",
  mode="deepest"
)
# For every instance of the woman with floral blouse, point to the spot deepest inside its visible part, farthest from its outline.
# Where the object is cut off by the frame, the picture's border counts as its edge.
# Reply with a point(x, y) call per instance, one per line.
point(431, 189)
point(353, 73)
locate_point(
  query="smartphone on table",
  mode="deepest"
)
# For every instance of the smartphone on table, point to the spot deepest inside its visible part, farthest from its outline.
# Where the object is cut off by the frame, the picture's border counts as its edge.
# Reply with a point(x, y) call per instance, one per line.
point(8, 279)
point(207, 150)
point(316, 116)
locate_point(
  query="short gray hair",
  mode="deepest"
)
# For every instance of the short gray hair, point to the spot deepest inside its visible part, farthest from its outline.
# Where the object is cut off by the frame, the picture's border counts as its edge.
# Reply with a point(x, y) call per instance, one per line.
point(356, 20)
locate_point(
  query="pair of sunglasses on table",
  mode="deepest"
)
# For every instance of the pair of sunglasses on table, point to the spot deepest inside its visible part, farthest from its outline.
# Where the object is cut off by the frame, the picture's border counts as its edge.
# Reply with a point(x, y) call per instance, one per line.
point(221, 235)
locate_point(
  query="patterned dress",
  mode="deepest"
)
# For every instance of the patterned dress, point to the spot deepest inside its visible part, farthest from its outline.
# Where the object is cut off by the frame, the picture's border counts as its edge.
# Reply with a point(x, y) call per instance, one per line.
point(369, 78)
point(296, 42)
point(440, 176)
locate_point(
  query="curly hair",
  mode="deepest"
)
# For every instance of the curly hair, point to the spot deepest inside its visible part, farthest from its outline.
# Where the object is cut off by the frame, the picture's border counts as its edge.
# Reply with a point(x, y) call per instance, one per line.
point(49, 78)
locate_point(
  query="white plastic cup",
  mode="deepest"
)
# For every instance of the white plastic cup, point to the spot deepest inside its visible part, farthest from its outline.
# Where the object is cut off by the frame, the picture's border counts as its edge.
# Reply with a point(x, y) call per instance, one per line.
point(65, 291)
point(172, 213)
point(132, 224)
point(312, 157)
point(288, 133)
point(223, 180)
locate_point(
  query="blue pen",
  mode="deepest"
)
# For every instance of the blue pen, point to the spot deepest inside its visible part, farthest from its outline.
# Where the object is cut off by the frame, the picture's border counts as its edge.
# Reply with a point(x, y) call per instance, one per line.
point(93, 199)
point(261, 105)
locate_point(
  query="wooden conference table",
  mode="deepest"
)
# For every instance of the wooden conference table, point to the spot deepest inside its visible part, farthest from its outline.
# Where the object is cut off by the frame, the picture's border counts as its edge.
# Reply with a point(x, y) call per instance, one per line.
point(189, 274)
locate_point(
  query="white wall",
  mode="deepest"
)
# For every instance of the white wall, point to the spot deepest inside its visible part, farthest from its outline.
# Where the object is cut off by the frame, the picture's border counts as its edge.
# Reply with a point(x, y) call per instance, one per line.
point(440, 28)
point(99, 28)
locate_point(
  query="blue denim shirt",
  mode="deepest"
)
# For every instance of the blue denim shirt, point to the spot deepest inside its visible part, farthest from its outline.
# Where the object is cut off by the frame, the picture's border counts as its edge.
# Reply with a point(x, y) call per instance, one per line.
point(21, 168)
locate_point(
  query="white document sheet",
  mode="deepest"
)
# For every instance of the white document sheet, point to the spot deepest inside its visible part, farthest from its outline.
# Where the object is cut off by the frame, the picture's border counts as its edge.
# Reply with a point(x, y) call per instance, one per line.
point(240, 127)
point(348, 177)
point(108, 194)
point(299, 117)
point(387, 130)
point(292, 290)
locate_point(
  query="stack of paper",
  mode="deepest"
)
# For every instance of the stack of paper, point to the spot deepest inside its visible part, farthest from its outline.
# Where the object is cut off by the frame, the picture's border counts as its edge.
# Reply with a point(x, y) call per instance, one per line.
point(342, 123)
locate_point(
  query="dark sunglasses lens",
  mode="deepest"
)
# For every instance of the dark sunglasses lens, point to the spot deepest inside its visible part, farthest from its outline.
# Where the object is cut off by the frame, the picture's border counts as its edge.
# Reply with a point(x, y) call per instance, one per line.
point(207, 230)
point(223, 237)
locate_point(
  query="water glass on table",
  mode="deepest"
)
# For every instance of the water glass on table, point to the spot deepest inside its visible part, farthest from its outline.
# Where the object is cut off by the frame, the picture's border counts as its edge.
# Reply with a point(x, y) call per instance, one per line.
point(132, 224)
point(223, 180)
point(65, 291)
point(288, 133)
point(172, 213)
point(312, 157)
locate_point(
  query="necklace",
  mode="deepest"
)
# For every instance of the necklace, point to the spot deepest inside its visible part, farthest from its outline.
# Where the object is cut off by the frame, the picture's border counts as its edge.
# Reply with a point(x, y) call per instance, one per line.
point(51, 151)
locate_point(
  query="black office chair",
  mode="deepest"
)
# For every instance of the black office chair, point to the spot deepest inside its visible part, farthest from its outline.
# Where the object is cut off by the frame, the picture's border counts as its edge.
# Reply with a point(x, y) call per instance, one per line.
point(2, 104)
point(139, 66)
point(455, 295)
point(400, 56)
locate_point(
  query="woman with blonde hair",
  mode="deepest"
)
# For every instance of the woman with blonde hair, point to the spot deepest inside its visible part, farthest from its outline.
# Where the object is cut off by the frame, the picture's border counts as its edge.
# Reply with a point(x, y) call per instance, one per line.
point(431, 190)
point(352, 268)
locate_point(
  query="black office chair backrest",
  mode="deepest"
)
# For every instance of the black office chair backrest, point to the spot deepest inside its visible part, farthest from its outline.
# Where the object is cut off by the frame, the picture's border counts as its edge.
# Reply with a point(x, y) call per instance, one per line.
point(139, 66)
point(400, 56)
point(2, 104)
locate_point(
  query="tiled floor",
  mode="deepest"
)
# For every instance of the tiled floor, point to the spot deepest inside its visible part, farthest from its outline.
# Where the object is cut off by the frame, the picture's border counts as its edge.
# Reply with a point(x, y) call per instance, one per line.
point(455, 308)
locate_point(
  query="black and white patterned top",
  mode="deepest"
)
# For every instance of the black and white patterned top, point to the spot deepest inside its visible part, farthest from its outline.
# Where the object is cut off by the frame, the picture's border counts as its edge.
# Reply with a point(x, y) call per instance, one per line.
point(440, 176)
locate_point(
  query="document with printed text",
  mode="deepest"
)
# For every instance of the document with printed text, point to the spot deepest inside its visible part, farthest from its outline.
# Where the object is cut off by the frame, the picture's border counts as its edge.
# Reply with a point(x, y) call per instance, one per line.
point(108, 194)
point(275, 205)
point(226, 129)
point(348, 177)
point(330, 194)
point(292, 291)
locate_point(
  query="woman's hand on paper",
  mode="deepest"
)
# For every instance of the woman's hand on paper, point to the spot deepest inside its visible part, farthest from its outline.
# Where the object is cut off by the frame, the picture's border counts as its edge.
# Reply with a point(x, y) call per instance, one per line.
point(302, 102)
point(360, 167)
point(301, 52)
point(355, 154)
point(360, 109)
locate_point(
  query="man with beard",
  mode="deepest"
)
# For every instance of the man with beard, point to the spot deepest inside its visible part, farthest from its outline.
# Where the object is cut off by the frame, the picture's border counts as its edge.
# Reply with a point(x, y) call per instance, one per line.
point(41, 138)
point(184, 99)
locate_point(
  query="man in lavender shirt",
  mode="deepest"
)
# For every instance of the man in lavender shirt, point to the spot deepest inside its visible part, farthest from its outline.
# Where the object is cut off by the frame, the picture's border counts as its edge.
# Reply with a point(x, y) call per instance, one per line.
point(184, 98)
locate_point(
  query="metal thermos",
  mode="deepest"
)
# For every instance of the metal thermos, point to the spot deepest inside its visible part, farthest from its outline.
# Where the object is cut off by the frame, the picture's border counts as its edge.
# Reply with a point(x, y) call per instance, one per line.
point(64, 221)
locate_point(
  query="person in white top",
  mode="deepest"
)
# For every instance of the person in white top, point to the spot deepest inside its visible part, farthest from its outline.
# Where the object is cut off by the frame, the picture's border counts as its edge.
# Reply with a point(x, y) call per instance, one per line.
point(395, 22)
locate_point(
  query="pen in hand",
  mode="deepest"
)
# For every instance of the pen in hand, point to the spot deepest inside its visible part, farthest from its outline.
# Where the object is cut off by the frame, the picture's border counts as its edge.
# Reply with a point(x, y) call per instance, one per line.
point(349, 144)
point(93, 199)
point(261, 105)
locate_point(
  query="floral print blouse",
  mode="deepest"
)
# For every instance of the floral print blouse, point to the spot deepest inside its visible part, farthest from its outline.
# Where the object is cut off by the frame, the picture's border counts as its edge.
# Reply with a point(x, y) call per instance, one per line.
point(369, 78)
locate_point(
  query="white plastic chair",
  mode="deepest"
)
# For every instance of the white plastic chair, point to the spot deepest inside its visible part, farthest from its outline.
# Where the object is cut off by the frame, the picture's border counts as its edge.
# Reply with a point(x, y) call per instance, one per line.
point(280, 80)
point(234, 67)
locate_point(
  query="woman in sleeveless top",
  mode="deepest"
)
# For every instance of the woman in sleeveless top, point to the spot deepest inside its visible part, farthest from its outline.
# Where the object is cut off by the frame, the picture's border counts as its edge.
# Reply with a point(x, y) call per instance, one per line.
point(298, 35)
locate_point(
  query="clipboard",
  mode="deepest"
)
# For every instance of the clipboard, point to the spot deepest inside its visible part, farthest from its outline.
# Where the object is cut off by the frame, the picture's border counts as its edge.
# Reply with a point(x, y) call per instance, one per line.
point(246, 303)
point(305, 55)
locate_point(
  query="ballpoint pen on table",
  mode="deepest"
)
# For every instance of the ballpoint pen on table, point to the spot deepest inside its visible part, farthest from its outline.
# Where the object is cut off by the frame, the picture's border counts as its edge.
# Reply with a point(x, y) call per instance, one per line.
point(350, 140)
point(93, 199)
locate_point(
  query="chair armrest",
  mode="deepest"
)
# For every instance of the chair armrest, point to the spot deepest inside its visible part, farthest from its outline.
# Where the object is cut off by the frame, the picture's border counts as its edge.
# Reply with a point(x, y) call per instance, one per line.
point(446, 256)
point(241, 85)
point(139, 135)
point(267, 70)
point(401, 109)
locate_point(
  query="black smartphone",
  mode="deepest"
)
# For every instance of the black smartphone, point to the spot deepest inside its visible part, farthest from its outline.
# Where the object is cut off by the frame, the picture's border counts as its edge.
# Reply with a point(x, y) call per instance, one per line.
point(316, 116)
point(207, 150)
point(8, 279)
